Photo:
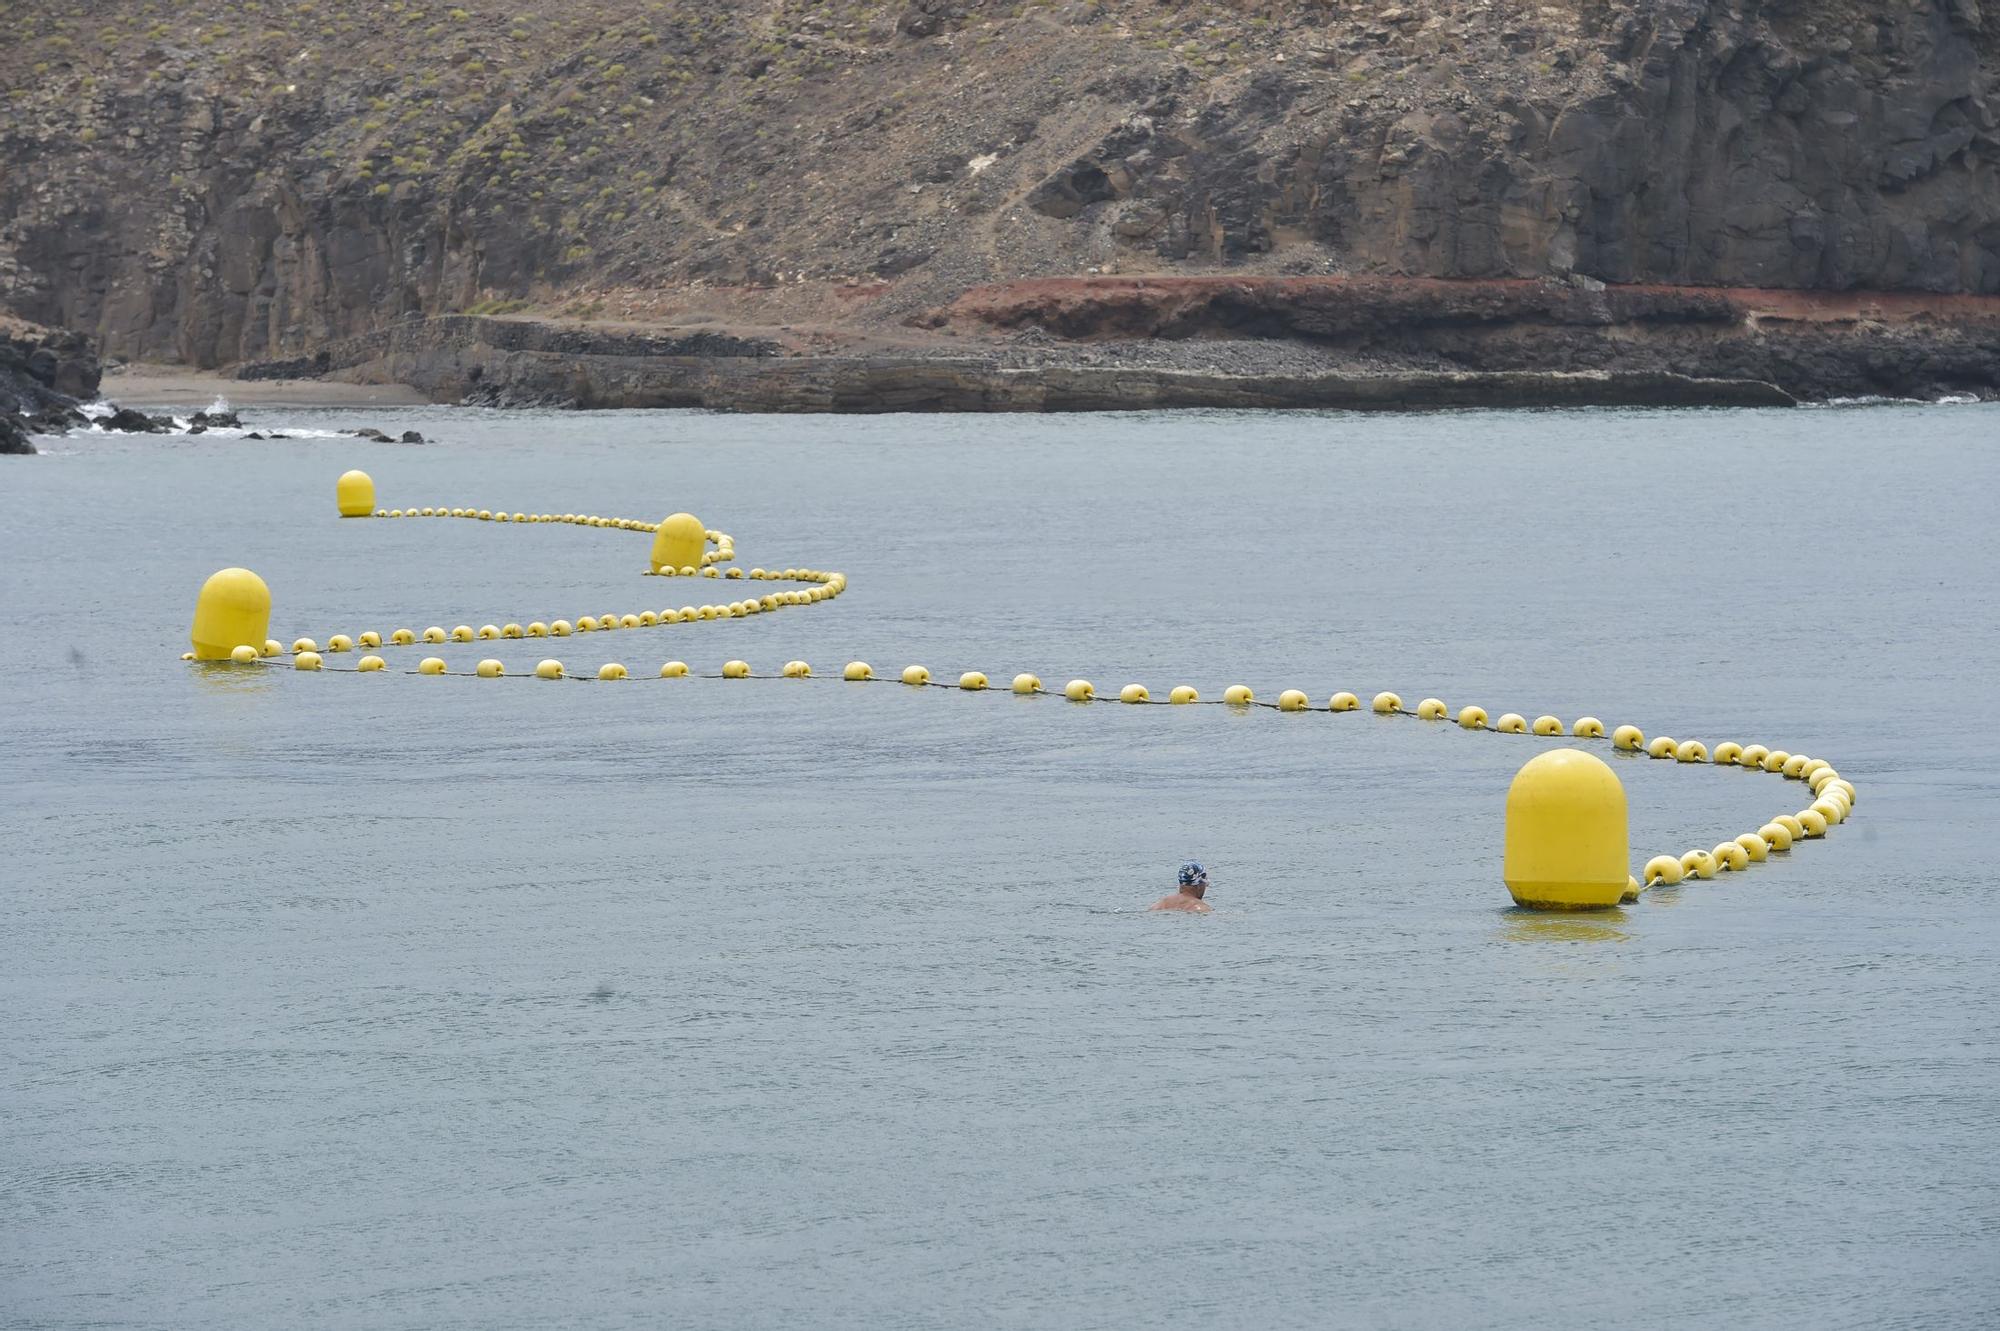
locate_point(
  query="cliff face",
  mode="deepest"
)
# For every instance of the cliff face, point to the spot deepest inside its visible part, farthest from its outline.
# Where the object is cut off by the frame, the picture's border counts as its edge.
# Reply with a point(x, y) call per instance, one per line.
point(213, 183)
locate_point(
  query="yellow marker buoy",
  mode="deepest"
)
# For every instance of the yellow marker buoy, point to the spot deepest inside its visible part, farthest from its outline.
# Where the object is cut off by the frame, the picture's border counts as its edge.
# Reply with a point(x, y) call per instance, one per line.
point(559, 628)
point(1775, 760)
point(1343, 702)
point(1386, 703)
point(340, 642)
point(1431, 709)
point(1731, 856)
point(370, 663)
point(1587, 727)
point(1183, 694)
point(1699, 863)
point(1294, 700)
point(354, 494)
point(243, 654)
point(916, 674)
point(1777, 835)
point(1795, 765)
point(1753, 755)
point(1831, 810)
point(306, 661)
point(305, 645)
point(797, 670)
point(549, 669)
point(586, 623)
point(232, 608)
point(857, 671)
point(1663, 870)
point(1472, 718)
point(1813, 767)
point(628, 621)
point(1079, 690)
point(486, 515)
point(1566, 839)
point(1027, 684)
point(736, 670)
point(1792, 825)
point(972, 681)
point(369, 639)
point(674, 670)
point(1691, 751)
point(1547, 725)
point(1822, 778)
point(1727, 754)
point(1755, 846)
point(1663, 746)
point(537, 630)
point(431, 665)
point(1628, 738)
point(647, 619)
point(1813, 821)
point(489, 669)
point(272, 647)
point(512, 631)
point(1238, 695)
point(1631, 893)
point(1512, 723)
point(402, 637)
point(1134, 693)
point(611, 670)
point(463, 633)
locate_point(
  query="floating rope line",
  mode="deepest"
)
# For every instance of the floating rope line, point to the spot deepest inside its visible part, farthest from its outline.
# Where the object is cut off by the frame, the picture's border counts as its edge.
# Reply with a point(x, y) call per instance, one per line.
point(235, 603)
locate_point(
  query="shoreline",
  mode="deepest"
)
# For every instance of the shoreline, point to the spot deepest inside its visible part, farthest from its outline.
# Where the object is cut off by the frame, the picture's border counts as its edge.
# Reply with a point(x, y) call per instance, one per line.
point(176, 386)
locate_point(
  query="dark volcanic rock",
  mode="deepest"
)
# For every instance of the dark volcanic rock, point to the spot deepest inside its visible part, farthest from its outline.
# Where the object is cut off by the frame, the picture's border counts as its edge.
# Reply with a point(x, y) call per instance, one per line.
point(44, 369)
point(129, 421)
point(412, 437)
point(370, 433)
point(14, 434)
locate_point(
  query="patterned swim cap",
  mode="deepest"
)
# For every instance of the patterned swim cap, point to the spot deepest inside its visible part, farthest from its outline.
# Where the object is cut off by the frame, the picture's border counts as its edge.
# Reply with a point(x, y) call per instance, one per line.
point(1193, 875)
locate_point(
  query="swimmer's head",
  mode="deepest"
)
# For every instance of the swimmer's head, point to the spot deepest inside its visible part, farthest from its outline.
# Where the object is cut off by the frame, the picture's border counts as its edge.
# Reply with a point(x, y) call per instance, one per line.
point(1193, 875)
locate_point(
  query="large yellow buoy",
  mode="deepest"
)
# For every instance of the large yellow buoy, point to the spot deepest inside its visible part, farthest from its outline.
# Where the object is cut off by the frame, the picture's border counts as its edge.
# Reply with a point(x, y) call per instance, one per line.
point(354, 492)
point(1566, 843)
point(234, 607)
point(679, 542)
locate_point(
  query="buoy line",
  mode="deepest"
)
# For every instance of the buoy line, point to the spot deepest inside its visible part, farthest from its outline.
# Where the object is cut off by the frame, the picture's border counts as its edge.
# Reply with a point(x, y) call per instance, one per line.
point(1566, 848)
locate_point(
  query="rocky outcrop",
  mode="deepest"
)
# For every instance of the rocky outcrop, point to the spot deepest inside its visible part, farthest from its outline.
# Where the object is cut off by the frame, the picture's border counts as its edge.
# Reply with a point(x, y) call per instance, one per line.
point(220, 189)
point(43, 372)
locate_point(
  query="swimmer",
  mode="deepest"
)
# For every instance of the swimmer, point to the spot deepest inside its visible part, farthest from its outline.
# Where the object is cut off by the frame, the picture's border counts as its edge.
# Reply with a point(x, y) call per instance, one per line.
point(1194, 885)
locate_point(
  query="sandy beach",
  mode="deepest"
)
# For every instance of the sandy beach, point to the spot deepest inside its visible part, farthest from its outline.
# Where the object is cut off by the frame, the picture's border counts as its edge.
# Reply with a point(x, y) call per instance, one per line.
point(174, 386)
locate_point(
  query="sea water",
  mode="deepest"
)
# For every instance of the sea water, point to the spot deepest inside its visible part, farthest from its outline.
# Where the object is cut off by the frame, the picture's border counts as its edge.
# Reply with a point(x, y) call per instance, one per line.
point(390, 1001)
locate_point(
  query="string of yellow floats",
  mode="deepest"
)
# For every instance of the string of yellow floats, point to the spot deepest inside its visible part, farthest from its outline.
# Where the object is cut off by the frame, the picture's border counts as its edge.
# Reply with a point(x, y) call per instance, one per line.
point(1555, 816)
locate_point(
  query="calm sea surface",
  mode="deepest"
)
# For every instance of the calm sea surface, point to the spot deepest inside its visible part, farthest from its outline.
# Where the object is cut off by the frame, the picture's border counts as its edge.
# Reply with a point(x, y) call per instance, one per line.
point(387, 1001)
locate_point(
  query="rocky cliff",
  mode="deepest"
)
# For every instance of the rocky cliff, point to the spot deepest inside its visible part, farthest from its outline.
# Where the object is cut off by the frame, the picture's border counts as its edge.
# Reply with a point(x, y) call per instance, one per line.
point(212, 183)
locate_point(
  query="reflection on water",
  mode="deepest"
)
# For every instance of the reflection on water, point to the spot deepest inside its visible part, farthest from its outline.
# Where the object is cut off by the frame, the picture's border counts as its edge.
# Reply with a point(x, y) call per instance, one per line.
point(1534, 926)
